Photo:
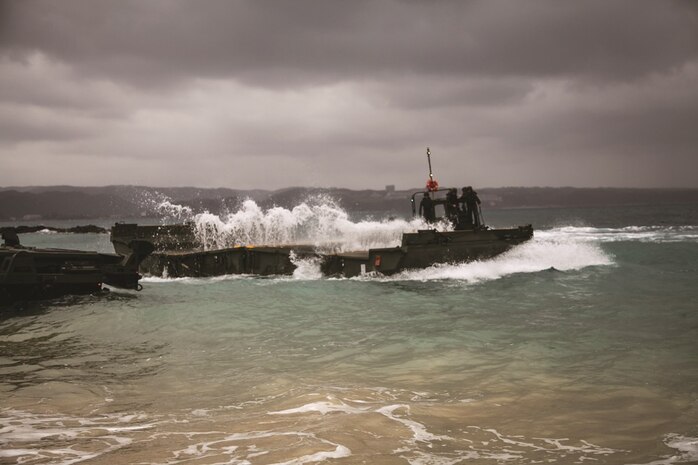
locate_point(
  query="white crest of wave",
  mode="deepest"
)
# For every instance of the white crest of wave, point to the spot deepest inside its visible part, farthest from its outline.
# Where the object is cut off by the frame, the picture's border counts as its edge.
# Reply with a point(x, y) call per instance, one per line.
point(686, 233)
point(541, 253)
point(319, 222)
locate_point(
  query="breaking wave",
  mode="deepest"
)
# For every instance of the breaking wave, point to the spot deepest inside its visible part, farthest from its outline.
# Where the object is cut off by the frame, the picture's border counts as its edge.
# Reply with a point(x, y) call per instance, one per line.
point(687, 233)
point(540, 254)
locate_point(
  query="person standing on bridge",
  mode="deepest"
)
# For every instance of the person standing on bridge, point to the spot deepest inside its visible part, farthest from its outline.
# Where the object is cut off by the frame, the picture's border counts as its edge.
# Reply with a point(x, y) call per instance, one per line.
point(471, 205)
point(452, 206)
point(427, 209)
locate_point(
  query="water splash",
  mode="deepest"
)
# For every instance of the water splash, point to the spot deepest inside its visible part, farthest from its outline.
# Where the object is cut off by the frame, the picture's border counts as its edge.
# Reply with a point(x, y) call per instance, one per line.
point(159, 204)
point(173, 211)
point(544, 252)
point(319, 221)
point(307, 268)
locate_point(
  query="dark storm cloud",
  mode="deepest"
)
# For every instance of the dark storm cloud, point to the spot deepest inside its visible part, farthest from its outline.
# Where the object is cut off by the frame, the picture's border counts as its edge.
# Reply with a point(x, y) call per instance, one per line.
point(270, 94)
point(305, 42)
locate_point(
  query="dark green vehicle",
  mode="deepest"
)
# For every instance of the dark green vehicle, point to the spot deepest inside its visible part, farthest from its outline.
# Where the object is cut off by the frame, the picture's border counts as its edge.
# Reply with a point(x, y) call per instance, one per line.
point(179, 254)
point(28, 273)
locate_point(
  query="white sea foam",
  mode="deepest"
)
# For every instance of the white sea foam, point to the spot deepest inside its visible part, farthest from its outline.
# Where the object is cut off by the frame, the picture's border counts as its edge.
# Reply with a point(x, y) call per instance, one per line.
point(190, 280)
point(339, 452)
point(239, 454)
point(322, 408)
point(419, 431)
point(423, 447)
point(41, 437)
point(541, 253)
point(629, 233)
point(686, 447)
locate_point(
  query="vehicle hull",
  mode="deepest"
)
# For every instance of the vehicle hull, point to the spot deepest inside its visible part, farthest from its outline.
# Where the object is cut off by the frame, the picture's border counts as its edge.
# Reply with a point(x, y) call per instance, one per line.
point(28, 273)
point(417, 250)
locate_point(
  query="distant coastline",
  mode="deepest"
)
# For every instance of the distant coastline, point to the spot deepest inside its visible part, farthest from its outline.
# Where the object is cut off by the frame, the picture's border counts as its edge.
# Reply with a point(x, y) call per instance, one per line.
point(37, 203)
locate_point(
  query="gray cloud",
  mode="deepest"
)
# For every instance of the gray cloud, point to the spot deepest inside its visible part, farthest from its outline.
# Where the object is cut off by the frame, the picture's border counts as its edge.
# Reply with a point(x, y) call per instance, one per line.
point(310, 41)
point(270, 94)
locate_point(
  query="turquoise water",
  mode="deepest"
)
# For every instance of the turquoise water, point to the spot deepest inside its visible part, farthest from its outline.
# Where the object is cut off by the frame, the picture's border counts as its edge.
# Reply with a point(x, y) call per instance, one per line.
point(580, 346)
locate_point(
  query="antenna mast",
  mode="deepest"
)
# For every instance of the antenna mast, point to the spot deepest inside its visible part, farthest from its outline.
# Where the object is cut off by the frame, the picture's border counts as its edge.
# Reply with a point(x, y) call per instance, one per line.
point(431, 175)
point(432, 184)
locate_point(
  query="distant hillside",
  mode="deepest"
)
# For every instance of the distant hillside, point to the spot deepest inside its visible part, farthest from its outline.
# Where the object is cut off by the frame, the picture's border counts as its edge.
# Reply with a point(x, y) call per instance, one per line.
point(516, 197)
point(62, 205)
point(124, 191)
point(68, 202)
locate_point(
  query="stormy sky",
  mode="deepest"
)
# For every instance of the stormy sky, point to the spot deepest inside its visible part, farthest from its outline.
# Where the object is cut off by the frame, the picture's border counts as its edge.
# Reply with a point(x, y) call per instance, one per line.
point(270, 94)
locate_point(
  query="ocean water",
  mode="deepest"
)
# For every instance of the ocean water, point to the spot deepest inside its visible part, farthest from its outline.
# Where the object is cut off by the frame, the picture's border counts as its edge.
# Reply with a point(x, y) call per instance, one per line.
point(580, 346)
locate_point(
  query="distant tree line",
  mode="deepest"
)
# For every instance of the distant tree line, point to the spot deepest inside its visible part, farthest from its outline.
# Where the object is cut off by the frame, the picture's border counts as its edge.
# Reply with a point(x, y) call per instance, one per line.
point(32, 204)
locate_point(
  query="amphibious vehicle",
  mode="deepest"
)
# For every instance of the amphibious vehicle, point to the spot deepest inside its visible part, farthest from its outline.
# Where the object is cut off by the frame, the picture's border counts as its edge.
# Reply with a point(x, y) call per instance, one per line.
point(28, 273)
point(179, 253)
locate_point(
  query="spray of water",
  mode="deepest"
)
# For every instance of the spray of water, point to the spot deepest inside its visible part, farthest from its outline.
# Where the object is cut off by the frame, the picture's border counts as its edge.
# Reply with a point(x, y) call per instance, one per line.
point(307, 268)
point(174, 211)
point(318, 221)
point(161, 205)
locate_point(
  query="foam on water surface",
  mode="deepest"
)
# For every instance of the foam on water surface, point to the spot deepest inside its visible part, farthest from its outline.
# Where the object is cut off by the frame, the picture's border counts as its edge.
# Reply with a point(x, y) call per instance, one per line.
point(64, 440)
point(686, 450)
point(539, 254)
point(190, 280)
point(239, 448)
point(28, 438)
point(397, 423)
point(661, 234)
point(422, 446)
